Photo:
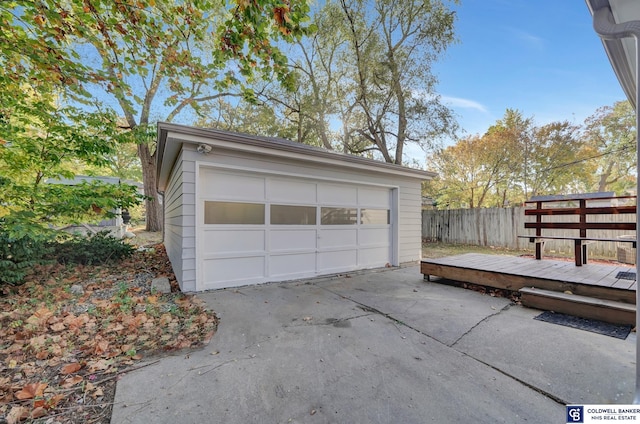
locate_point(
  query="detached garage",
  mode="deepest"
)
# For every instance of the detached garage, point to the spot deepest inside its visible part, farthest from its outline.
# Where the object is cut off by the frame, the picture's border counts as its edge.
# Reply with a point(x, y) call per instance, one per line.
point(242, 209)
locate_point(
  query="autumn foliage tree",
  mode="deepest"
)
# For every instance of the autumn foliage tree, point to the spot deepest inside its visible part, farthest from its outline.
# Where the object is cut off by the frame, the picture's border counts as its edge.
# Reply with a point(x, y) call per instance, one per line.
point(149, 59)
point(514, 160)
point(611, 135)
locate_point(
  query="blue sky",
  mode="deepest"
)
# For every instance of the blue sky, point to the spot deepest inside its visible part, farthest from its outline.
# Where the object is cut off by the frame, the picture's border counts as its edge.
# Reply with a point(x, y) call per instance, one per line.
point(541, 57)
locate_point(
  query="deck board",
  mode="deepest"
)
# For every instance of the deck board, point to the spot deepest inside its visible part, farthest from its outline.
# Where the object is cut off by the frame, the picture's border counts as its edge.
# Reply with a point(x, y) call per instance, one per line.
point(514, 272)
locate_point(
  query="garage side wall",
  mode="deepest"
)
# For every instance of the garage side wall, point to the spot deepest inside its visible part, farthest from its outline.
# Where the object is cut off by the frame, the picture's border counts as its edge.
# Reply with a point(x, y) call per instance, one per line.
point(410, 220)
point(179, 221)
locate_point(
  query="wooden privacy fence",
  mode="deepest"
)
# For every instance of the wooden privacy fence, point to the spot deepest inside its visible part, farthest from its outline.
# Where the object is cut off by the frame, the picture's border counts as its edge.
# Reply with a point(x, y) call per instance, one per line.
point(500, 227)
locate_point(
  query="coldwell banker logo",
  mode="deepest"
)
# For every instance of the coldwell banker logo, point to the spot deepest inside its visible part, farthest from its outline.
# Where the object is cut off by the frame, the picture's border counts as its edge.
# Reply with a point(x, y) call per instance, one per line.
point(575, 414)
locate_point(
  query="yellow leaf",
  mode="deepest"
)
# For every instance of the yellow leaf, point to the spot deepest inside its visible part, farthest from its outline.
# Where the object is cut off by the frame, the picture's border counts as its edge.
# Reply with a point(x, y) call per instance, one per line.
point(39, 19)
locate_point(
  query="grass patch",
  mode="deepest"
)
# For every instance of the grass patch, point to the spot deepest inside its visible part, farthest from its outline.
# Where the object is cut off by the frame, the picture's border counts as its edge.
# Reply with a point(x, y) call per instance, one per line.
point(434, 250)
point(439, 250)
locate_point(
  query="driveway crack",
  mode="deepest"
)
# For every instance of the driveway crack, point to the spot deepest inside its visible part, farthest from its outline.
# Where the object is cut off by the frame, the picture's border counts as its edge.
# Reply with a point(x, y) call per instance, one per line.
point(367, 308)
point(505, 308)
point(543, 392)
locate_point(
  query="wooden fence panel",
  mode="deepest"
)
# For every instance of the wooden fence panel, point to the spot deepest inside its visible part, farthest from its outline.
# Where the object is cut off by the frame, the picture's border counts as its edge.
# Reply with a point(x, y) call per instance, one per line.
point(500, 227)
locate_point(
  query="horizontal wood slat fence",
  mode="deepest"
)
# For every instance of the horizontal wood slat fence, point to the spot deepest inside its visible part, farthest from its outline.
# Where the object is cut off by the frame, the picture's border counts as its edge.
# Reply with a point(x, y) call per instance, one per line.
point(500, 227)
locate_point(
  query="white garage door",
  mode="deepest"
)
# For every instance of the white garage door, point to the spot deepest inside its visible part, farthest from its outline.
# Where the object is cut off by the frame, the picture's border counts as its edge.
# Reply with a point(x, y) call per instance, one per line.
point(257, 228)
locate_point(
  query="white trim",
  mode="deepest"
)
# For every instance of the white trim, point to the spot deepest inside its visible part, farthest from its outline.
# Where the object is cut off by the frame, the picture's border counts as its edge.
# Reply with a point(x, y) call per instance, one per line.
point(394, 220)
point(289, 174)
point(199, 214)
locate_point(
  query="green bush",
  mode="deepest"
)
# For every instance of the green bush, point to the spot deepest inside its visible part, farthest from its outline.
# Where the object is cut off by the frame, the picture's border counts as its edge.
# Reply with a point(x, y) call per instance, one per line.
point(18, 256)
point(100, 248)
point(20, 253)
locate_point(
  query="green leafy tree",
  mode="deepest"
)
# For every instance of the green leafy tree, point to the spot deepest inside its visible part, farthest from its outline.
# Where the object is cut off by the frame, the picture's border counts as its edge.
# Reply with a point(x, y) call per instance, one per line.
point(514, 134)
point(611, 135)
point(246, 117)
point(150, 59)
point(551, 162)
point(365, 79)
point(395, 89)
point(40, 143)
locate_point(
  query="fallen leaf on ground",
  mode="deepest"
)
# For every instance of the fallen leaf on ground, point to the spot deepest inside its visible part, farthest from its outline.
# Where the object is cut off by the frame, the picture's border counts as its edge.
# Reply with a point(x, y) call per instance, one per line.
point(71, 381)
point(57, 327)
point(17, 414)
point(38, 413)
point(57, 349)
point(30, 391)
point(97, 393)
point(99, 365)
point(70, 368)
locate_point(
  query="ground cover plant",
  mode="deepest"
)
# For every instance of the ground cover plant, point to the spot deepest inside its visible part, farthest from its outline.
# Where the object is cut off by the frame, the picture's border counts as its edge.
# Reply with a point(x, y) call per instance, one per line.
point(69, 331)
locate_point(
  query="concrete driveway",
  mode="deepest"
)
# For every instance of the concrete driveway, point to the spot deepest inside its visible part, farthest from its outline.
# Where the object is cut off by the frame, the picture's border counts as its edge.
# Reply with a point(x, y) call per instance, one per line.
point(381, 346)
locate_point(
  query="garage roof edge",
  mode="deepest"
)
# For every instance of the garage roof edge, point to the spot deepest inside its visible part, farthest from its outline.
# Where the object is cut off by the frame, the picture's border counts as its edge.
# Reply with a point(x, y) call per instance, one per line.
point(618, 56)
point(168, 154)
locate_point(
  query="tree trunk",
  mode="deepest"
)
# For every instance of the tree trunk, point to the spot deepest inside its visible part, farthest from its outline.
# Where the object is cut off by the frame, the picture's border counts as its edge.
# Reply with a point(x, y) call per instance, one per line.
point(402, 109)
point(152, 203)
point(604, 177)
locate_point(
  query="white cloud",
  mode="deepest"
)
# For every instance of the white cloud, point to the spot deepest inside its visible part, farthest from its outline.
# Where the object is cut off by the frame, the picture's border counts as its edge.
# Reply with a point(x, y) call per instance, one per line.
point(463, 103)
point(529, 39)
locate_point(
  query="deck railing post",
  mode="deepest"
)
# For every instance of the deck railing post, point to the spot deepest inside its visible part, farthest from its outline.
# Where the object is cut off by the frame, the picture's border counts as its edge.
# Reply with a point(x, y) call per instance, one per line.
point(540, 243)
point(581, 251)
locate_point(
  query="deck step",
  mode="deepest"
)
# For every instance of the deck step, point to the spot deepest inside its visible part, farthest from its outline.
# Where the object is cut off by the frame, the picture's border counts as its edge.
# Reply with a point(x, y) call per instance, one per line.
point(581, 306)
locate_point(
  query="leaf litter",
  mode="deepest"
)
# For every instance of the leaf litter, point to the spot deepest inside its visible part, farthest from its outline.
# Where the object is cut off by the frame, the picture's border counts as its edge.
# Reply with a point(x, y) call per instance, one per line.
point(62, 350)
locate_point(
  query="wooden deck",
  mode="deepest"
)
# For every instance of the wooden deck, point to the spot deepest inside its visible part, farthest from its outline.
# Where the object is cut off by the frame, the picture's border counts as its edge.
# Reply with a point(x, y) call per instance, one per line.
point(513, 273)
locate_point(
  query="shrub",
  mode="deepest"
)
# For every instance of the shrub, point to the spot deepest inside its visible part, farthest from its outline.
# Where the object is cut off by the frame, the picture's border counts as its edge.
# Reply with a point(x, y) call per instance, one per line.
point(18, 256)
point(100, 248)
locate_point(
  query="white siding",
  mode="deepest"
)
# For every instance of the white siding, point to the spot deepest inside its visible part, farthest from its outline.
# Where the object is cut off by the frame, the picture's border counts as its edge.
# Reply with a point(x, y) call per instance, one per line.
point(410, 221)
point(179, 221)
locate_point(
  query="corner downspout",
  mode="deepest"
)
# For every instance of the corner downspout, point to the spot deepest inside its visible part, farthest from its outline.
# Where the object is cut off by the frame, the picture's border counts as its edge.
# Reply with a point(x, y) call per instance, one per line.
point(607, 29)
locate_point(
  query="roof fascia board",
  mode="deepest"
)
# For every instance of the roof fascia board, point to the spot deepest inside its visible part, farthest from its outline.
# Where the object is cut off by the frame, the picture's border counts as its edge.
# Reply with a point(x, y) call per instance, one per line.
point(288, 153)
point(246, 143)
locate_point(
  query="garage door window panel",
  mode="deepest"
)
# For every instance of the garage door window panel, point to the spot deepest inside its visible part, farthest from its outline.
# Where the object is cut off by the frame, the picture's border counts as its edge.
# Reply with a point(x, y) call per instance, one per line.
point(374, 216)
point(339, 216)
point(293, 215)
point(237, 213)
